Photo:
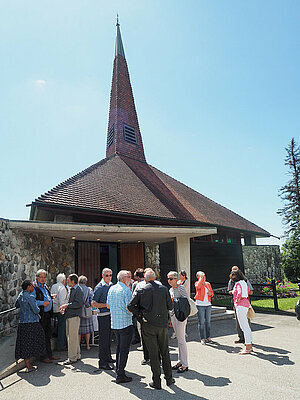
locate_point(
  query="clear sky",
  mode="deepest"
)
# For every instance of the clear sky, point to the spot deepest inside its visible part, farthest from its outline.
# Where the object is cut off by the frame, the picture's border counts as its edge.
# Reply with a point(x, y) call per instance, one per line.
point(216, 86)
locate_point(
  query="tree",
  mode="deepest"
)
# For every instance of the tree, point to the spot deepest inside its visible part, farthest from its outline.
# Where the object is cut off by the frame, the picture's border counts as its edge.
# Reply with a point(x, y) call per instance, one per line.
point(290, 255)
point(290, 193)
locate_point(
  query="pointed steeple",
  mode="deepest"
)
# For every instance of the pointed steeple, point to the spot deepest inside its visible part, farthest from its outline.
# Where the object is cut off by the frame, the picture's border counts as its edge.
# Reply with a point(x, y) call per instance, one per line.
point(123, 134)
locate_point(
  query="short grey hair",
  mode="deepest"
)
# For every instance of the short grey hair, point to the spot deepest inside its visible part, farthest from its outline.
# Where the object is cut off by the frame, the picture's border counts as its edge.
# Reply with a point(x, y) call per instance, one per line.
point(60, 278)
point(82, 279)
point(173, 273)
point(150, 274)
point(121, 275)
point(105, 270)
point(41, 271)
point(200, 273)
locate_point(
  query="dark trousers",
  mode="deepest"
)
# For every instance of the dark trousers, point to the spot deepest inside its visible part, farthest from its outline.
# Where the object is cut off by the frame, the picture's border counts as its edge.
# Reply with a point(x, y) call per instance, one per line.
point(123, 337)
point(104, 331)
point(136, 335)
point(238, 328)
point(145, 349)
point(156, 340)
point(61, 332)
point(46, 325)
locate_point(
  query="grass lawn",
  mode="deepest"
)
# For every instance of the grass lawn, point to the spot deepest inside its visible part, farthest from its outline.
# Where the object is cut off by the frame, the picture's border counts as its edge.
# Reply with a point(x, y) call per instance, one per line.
point(261, 304)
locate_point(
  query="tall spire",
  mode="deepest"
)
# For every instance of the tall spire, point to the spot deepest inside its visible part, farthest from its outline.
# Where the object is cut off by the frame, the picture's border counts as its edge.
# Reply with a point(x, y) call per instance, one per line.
point(123, 134)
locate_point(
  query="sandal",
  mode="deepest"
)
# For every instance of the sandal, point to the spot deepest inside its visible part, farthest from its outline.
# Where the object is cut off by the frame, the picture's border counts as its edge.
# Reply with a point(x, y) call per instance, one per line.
point(177, 366)
point(181, 370)
point(31, 369)
point(243, 352)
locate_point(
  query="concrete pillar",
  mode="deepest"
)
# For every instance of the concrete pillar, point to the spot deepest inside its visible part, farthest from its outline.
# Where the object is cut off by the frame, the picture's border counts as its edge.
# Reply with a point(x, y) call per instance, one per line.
point(183, 254)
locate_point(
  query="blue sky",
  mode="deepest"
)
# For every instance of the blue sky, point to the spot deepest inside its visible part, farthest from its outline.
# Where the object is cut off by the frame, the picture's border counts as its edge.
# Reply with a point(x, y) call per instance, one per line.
point(216, 87)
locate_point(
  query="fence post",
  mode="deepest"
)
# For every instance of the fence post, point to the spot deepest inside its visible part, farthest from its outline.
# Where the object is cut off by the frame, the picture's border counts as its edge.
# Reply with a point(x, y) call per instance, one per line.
point(275, 295)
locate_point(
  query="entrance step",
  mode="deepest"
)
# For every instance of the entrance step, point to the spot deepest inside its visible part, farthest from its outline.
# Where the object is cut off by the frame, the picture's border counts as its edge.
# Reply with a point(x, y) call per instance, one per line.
point(217, 313)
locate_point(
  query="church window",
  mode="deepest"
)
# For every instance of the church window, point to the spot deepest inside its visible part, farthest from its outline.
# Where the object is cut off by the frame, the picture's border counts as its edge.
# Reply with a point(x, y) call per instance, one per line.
point(129, 134)
point(110, 136)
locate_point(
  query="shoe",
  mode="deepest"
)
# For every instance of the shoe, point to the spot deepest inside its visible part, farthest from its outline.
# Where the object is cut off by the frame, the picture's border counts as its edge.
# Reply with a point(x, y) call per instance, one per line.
point(54, 358)
point(181, 370)
point(69, 362)
point(173, 336)
point(239, 341)
point(176, 366)
point(170, 382)
point(245, 352)
point(31, 369)
point(107, 367)
point(124, 379)
point(209, 340)
point(140, 348)
point(111, 361)
point(203, 341)
point(47, 360)
point(152, 384)
point(145, 362)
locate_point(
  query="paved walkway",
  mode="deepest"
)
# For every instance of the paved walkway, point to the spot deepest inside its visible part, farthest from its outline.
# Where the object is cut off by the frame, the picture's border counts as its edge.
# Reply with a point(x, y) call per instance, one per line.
point(216, 372)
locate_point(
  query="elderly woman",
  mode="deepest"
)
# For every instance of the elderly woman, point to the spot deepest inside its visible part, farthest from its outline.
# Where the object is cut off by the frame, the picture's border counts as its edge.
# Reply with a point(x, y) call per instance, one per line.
point(241, 303)
point(204, 293)
point(184, 280)
point(59, 294)
point(86, 323)
point(30, 336)
point(177, 291)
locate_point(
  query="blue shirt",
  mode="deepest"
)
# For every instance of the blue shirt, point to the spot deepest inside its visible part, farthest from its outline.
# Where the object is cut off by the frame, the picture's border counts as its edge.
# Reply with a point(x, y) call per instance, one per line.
point(29, 310)
point(47, 297)
point(100, 295)
point(118, 297)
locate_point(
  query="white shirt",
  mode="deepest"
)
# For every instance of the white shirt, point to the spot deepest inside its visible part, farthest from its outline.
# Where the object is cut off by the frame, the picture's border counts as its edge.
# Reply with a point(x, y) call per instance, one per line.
point(62, 296)
point(205, 301)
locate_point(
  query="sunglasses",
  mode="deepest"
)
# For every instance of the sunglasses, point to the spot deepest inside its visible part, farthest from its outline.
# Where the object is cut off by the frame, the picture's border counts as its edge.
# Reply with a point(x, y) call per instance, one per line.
point(108, 275)
point(170, 279)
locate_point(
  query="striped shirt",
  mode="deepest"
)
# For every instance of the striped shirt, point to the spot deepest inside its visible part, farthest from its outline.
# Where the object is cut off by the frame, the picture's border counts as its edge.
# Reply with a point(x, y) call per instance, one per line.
point(118, 297)
point(179, 291)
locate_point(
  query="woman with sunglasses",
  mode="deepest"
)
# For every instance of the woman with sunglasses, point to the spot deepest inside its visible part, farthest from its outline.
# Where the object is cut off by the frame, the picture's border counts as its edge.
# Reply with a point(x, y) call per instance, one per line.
point(204, 293)
point(30, 336)
point(177, 291)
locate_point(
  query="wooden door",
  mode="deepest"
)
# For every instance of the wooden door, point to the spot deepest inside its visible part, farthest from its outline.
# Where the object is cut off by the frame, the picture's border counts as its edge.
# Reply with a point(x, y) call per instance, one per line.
point(88, 261)
point(132, 256)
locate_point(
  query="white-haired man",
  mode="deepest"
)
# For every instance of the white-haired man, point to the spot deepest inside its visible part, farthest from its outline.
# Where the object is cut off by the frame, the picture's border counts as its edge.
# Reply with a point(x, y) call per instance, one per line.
point(60, 296)
point(104, 323)
point(121, 322)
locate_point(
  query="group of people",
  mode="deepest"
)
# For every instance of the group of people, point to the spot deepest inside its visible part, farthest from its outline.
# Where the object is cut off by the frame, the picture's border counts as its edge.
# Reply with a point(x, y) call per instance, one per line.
point(135, 311)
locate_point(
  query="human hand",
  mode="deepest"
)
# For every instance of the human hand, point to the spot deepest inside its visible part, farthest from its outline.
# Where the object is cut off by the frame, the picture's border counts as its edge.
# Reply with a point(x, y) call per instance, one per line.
point(46, 303)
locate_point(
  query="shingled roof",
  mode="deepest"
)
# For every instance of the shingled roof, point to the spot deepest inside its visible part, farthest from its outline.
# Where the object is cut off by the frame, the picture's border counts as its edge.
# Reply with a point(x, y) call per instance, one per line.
point(124, 183)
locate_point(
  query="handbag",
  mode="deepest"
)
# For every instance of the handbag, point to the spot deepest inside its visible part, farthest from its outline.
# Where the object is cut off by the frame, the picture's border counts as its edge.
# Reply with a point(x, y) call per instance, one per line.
point(182, 308)
point(250, 313)
point(193, 306)
point(86, 312)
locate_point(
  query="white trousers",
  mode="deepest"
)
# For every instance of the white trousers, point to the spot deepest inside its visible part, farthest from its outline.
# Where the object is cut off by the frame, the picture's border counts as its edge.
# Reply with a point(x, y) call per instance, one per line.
point(241, 314)
point(179, 329)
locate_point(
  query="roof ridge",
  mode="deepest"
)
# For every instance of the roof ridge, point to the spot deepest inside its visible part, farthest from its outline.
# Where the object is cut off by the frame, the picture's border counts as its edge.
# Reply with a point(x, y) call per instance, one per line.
point(207, 198)
point(74, 178)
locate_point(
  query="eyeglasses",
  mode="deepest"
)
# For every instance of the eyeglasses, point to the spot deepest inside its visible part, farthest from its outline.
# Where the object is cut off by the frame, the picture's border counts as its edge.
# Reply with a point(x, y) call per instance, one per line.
point(108, 275)
point(170, 279)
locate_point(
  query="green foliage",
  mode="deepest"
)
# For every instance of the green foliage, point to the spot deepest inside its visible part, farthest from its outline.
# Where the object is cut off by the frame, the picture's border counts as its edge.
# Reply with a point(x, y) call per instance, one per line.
point(290, 255)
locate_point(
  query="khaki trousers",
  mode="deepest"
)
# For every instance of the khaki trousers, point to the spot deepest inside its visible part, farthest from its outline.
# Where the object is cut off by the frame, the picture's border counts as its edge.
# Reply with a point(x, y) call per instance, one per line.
point(72, 327)
point(179, 329)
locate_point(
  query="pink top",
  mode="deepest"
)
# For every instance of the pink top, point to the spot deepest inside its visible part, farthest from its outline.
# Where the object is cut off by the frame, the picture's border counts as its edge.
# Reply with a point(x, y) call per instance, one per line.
point(237, 297)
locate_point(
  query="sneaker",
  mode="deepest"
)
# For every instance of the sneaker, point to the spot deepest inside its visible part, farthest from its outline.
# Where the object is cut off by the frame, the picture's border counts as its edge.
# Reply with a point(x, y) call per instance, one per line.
point(173, 336)
point(124, 379)
point(203, 341)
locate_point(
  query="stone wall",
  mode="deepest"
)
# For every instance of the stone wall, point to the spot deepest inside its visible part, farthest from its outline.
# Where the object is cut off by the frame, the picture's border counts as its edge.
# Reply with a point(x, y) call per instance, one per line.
point(21, 255)
point(152, 256)
point(261, 262)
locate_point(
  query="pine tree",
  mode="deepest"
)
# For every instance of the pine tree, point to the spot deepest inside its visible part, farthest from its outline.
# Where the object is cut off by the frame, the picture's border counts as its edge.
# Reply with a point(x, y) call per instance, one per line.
point(290, 193)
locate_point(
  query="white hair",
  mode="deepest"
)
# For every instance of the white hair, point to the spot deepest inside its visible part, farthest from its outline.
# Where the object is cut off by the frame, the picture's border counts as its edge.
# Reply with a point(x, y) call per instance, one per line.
point(41, 271)
point(82, 279)
point(173, 273)
point(150, 274)
point(105, 270)
point(60, 278)
point(200, 273)
point(121, 275)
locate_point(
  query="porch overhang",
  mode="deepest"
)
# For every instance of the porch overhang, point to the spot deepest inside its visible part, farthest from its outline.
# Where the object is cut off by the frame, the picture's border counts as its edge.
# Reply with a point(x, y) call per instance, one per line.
point(110, 233)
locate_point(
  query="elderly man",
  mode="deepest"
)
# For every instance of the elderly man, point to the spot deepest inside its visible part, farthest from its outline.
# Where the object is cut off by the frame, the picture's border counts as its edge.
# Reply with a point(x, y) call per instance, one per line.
point(121, 322)
point(60, 297)
point(230, 287)
point(44, 302)
point(104, 321)
point(152, 303)
point(73, 310)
